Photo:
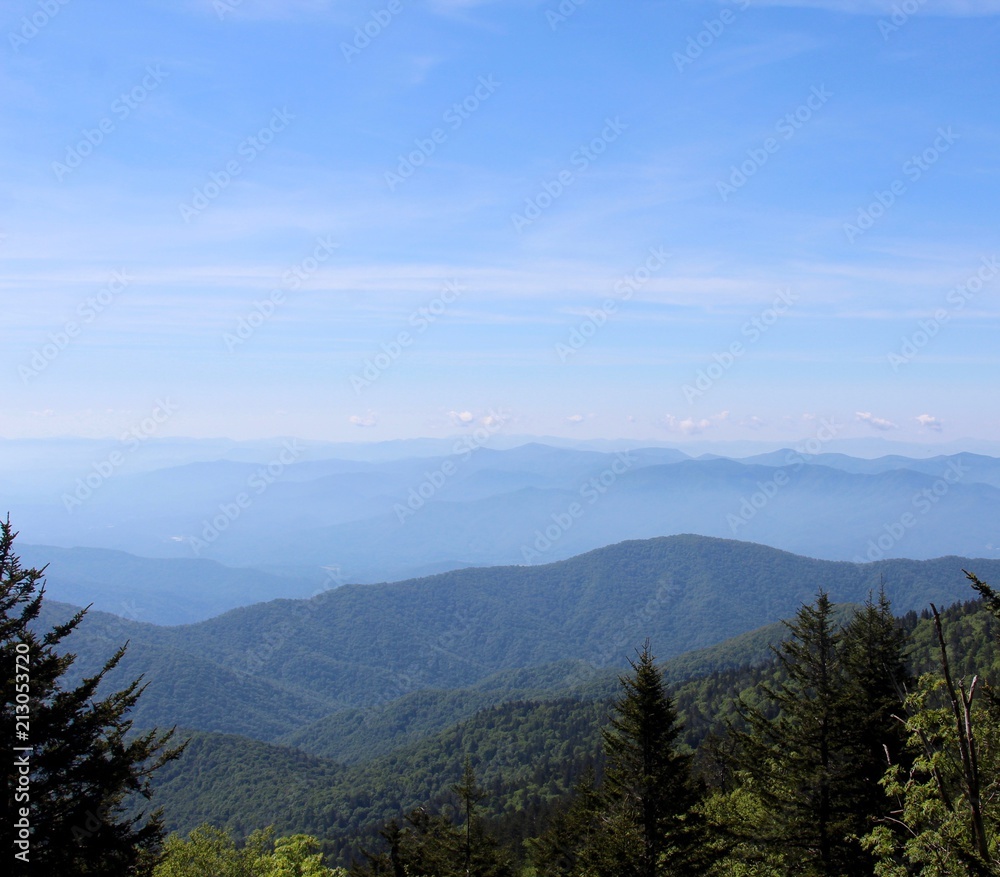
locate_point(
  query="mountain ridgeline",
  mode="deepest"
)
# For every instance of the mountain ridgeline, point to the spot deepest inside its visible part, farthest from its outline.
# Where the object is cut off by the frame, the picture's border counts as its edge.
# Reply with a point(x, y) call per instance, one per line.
point(296, 516)
point(530, 752)
point(363, 704)
point(264, 669)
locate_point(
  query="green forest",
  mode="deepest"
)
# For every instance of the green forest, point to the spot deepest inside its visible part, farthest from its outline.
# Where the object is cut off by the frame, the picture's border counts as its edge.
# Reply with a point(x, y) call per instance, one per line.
point(849, 740)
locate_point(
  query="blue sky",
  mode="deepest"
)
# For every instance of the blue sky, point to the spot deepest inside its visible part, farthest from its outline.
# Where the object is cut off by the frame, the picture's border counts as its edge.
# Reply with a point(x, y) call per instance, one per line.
point(390, 219)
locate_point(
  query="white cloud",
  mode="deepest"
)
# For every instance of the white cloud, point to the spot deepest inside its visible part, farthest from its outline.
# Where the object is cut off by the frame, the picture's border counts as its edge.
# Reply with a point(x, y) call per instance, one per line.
point(929, 421)
point(493, 421)
point(461, 418)
point(874, 422)
point(691, 426)
point(366, 420)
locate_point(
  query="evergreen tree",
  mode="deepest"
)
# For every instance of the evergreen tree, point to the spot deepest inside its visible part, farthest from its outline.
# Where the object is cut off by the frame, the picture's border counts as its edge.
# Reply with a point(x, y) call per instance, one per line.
point(946, 794)
point(78, 765)
point(653, 827)
point(469, 795)
point(876, 680)
point(800, 764)
point(431, 845)
point(572, 842)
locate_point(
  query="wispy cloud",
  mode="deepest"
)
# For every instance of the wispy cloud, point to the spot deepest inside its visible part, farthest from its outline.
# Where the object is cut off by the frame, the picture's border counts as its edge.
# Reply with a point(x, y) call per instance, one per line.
point(877, 423)
point(365, 421)
point(693, 425)
point(929, 421)
point(461, 418)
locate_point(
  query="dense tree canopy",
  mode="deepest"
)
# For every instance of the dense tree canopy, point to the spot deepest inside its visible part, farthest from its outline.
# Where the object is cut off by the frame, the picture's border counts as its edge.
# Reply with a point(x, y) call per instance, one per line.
point(77, 766)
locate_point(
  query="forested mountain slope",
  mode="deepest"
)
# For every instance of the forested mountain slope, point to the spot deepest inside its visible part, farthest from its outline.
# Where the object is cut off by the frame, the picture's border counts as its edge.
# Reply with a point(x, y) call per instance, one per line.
point(528, 754)
point(364, 645)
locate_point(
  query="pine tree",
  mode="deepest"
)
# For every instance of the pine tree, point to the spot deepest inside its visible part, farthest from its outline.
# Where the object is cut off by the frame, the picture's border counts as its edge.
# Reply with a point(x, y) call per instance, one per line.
point(945, 794)
point(876, 680)
point(469, 795)
point(799, 764)
point(431, 845)
point(653, 826)
point(571, 842)
point(79, 766)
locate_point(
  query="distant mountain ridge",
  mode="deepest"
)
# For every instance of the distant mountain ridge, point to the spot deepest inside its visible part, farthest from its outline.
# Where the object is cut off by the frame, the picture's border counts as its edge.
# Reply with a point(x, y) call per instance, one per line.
point(395, 519)
point(264, 669)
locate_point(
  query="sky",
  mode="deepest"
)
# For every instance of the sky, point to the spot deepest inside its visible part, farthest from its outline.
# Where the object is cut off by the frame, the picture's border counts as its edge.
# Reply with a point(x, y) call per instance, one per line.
point(399, 218)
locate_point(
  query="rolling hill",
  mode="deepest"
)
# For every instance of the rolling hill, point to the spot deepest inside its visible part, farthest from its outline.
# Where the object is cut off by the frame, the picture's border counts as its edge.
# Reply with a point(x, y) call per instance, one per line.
point(266, 669)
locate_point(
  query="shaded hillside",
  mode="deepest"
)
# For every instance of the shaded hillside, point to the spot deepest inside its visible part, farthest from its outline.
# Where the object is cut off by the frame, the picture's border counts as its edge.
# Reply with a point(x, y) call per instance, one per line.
point(527, 753)
point(359, 646)
point(157, 590)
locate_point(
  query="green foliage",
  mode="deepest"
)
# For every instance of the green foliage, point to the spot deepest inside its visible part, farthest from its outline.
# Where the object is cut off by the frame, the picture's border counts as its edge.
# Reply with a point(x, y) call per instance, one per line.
point(946, 819)
point(648, 788)
point(811, 771)
point(395, 765)
point(431, 845)
point(928, 799)
point(211, 851)
point(239, 785)
point(268, 670)
point(530, 753)
point(65, 810)
point(575, 829)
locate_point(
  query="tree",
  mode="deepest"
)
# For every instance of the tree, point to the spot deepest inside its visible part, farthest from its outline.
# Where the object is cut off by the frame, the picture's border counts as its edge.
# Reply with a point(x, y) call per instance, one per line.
point(481, 854)
point(78, 768)
point(876, 679)
point(653, 826)
point(570, 843)
point(431, 845)
point(946, 822)
point(799, 764)
point(208, 850)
